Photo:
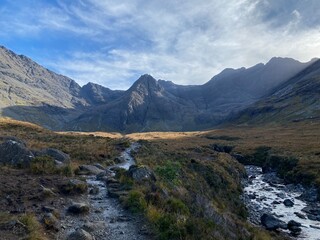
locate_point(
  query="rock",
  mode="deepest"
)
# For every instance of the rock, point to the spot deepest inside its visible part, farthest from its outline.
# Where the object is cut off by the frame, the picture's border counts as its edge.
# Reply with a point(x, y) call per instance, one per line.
point(272, 223)
point(293, 223)
point(74, 186)
point(222, 148)
point(288, 203)
point(56, 154)
point(80, 234)
point(90, 170)
point(313, 210)
point(50, 221)
point(15, 153)
point(117, 194)
point(78, 208)
point(94, 191)
point(312, 217)
point(111, 180)
point(98, 165)
point(310, 195)
point(276, 202)
point(315, 227)
point(300, 215)
point(141, 173)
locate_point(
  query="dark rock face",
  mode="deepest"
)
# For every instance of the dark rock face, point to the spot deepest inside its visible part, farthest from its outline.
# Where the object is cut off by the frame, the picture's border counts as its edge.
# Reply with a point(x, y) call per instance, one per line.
point(15, 153)
point(55, 154)
point(272, 223)
point(142, 173)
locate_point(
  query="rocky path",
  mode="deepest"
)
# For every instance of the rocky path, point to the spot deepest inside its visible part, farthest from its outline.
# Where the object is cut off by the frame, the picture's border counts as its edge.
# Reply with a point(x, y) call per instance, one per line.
point(290, 208)
point(106, 220)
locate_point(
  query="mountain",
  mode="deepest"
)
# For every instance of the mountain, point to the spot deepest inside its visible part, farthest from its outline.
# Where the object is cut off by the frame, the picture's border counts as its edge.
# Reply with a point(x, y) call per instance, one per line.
point(294, 100)
point(33, 93)
point(146, 106)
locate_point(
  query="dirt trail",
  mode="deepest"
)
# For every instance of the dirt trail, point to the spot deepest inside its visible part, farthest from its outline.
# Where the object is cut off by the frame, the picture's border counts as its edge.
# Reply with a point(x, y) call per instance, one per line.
point(106, 220)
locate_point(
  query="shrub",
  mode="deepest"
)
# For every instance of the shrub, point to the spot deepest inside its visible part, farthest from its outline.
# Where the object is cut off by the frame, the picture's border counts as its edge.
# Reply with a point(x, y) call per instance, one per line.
point(169, 171)
point(35, 232)
point(43, 165)
point(175, 205)
point(135, 201)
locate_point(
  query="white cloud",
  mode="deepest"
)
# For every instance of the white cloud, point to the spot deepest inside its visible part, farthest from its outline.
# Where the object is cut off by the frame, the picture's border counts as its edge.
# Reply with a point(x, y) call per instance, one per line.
point(183, 41)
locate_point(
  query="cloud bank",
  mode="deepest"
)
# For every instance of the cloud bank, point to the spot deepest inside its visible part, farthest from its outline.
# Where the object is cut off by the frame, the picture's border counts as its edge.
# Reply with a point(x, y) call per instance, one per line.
point(113, 42)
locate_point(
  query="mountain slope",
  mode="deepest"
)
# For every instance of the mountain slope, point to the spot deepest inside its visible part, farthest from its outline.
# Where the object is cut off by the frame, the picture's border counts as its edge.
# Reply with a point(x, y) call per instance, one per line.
point(146, 106)
point(295, 100)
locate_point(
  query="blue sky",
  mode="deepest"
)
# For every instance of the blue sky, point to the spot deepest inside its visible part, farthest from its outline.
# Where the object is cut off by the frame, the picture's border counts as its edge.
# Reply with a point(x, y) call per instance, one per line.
point(114, 42)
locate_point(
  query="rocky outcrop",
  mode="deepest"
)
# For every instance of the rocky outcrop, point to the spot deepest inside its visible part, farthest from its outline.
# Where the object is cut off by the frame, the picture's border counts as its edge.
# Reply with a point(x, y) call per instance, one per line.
point(15, 153)
point(272, 223)
point(141, 173)
point(57, 155)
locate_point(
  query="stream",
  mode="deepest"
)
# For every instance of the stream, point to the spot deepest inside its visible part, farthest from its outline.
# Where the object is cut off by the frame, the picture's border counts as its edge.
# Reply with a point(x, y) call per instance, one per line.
point(265, 193)
point(107, 220)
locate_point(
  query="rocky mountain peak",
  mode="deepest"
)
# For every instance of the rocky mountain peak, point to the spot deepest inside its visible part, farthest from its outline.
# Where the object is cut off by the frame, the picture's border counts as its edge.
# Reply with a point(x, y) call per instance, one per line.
point(146, 85)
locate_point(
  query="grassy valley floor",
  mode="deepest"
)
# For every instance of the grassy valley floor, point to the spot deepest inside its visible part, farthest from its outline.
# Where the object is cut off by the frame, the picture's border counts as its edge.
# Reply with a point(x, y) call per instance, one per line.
point(197, 190)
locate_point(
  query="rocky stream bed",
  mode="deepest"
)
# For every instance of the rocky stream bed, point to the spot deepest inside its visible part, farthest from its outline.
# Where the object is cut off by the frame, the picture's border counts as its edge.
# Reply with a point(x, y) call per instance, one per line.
point(279, 207)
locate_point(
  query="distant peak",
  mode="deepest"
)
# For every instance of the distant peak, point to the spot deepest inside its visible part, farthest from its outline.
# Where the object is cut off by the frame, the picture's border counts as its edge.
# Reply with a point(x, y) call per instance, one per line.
point(146, 79)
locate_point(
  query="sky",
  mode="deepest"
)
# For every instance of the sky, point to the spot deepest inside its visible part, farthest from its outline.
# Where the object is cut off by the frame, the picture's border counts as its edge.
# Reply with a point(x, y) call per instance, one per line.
point(112, 42)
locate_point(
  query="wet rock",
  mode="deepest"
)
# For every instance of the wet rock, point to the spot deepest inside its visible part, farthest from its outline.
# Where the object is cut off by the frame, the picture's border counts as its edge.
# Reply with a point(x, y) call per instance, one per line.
point(56, 154)
point(98, 165)
point(276, 202)
point(94, 191)
point(78, 208)
point(90, 170)
point(288, 203)
point(310, 195)
point(313, 210)
point(294, 227)
point(141, 173)
point(300, 215)
point(80, 234)
point(50, 222)
point(272, 223)
point(117, 193)
point(111, 180)
point(15, 153)
point(315, 227)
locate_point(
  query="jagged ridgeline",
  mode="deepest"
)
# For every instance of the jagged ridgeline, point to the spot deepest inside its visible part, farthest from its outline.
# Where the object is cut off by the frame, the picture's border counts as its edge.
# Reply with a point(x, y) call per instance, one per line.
point(32, 93)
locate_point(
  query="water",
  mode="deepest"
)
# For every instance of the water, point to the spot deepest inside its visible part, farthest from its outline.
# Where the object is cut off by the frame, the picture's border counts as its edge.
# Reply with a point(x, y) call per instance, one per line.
point(265, 195)
point(126, 157)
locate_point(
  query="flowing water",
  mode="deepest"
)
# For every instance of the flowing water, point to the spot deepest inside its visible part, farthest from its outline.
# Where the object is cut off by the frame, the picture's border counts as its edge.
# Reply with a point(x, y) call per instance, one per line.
point(264, 196)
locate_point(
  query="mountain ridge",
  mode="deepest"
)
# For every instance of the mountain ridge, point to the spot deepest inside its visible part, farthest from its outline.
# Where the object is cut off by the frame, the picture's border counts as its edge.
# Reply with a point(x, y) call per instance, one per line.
point(33, 93)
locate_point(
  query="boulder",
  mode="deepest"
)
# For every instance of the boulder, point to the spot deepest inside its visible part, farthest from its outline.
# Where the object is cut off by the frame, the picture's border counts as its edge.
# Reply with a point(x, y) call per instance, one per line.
point(294, 227)
point(272, 223)
point(94, 191)
point(141, 173)
point(90, 170)
point(300, 215)
point(57, 155)
point(98, 165)
point(80, 234)
point(288, 203)
point(78, 208)
point(15, 153)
